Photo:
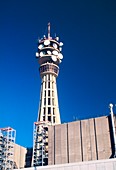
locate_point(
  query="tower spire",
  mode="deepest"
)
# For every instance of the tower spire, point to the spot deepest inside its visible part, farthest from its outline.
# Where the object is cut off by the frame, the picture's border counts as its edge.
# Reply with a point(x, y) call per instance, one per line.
point(48, 30)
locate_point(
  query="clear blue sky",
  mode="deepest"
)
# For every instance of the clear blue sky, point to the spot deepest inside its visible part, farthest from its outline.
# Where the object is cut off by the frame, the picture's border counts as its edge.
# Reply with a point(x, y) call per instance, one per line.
point(87, 79)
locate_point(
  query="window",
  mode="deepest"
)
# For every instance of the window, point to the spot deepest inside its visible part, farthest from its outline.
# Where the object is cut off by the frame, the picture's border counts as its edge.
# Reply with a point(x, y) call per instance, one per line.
point(48, 84)
point(43, 118)
point(48, 76)
point(54, 119)
point(49, 110)
point(48, 92)
point(49, 118)
point(46, 68)
point(49, 101)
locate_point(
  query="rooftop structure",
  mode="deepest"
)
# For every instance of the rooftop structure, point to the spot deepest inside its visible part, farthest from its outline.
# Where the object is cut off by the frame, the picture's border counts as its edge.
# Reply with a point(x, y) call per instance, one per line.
point(7, 141)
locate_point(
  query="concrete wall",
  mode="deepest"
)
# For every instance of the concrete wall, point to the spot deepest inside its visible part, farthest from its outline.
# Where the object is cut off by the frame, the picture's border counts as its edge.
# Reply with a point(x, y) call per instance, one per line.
point(109, 164)
point(19, 155)
point(78, 141)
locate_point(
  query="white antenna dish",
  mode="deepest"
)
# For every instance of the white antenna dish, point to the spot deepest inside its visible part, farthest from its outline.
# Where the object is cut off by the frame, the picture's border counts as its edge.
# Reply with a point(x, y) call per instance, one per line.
point(60, 48)
point(49, 52)
point(60, 56)
point(54, 58)
point(41, 54)
point(61, 44)
point(46, 42)
point(55, 52)
point(57, 38)
point(37, 54)
point(60, 61)
point(40, 46)
point(55, 45)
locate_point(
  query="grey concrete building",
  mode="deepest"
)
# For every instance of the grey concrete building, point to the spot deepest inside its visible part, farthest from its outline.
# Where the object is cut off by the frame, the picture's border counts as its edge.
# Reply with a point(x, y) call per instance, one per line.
point(78, 141)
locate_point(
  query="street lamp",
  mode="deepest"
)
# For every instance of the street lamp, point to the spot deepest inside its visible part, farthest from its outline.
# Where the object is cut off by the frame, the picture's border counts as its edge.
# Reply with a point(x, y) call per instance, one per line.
point(113, 127)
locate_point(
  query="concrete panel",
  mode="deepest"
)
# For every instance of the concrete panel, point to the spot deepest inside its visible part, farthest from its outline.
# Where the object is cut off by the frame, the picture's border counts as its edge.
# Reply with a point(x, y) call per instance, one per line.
point(64, 153)
point(60, 168)
point(92, 139)
point(76, 167)
point(114, 165)
point(103, 138)
point(91, 167)
point(74, 141)
point(100, 166)
point(108, 166)
point(19, 155)
point(58, 144)
point(83, 167)
point(86, 142)
point(60, 150)
point(23, 152)
point(51, 150)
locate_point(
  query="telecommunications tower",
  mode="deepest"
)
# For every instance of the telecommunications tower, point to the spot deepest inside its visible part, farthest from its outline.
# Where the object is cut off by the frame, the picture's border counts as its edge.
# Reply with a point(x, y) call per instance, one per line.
point(49, 57)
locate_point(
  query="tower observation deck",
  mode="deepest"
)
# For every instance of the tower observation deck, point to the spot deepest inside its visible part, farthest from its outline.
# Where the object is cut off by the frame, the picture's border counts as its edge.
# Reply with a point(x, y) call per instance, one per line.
point(49, 57)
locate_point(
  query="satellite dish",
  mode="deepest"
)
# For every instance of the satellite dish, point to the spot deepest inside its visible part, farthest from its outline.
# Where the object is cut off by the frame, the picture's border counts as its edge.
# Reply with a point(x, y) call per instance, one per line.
point(60, 56)
point(41, 54)
point(61, 44)
point(57, 38)
point(60, 61)
point(46, 42)
point(37, 54)
point(54, 58)
point(49, 52)
point(60, 48)
point(55, 45)
point(40, 46)
point(55, 52)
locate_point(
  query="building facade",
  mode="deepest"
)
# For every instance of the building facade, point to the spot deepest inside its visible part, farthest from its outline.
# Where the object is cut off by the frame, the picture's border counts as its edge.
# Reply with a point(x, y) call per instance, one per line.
point(83, 140)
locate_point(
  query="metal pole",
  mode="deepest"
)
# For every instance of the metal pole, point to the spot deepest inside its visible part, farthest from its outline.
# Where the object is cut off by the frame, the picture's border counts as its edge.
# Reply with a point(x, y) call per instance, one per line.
point(113, 127)
point(48, 30)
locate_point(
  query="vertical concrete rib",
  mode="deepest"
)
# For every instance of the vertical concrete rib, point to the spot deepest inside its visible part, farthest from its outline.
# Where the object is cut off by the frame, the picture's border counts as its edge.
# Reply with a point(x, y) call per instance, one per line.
point(95, 139)
point(92, 139)
point(67, 145)
point(81, 140)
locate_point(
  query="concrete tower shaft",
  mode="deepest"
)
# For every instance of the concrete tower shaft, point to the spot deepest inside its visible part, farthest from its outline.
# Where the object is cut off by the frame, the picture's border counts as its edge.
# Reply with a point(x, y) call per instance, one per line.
point(49, 109)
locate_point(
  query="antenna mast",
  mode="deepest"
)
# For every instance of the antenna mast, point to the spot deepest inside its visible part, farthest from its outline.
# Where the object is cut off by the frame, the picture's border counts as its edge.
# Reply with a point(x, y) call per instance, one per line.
point(48, 30)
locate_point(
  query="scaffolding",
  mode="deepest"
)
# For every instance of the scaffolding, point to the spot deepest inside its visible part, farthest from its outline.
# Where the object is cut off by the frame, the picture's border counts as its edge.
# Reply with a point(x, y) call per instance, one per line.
point(40, 144)
point(7, 141)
